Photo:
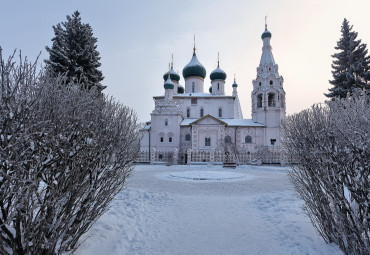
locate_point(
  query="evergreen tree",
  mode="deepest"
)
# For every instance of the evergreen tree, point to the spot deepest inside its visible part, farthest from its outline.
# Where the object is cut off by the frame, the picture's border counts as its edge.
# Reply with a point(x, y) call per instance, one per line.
point(74, 53)
point(351, 66)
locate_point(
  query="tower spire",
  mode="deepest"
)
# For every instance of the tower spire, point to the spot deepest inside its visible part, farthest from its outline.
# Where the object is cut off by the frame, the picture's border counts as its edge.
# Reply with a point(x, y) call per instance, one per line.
point(266, 22)
point(169, 70)
point(172, 61)
point(194, 46)
point(218, 59)
point(234, 78)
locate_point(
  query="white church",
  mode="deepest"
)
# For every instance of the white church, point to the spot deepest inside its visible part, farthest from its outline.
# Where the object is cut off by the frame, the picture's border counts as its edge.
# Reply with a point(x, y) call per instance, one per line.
point(200, 124)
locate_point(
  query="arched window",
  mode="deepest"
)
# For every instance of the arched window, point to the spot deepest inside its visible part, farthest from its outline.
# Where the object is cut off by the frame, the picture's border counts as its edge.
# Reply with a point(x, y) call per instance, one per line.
point(227, 139)
point(271, 82)
point(248, 139)
point(271, 100)
point(188, 113)
point(161, 139)
point(166, 122)
point(218, 86)
point(259, 101)
point(201, 112)
point(207, 141)
point(193, 87)
point(220, 112)
point(187, 137)
point(170, 139)
point(260, 83)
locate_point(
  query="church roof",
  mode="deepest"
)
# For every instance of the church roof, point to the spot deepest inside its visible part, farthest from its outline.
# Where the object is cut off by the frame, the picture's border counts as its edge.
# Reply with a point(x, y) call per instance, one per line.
point(174, 76)
point(205, 117)
point(267, 57)
point(242, 123)
point(194, 68)
point(168, 84)
point(198, 95)
point(226, 122)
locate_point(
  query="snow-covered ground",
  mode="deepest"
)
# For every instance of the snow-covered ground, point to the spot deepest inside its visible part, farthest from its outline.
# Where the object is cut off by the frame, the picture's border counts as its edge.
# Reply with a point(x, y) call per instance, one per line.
point(206, 210)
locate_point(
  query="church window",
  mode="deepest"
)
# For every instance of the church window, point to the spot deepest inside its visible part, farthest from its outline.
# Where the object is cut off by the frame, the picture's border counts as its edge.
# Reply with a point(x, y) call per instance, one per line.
point(259, 101)
point(160, 156)
point(201, 112)
point(219, 112)
point(227, 139)
point(218, 86)
point(170, 139)
point(194, 101)
point(187, 137)
point(166, 123)
point(271, 100)
point(273, 141)
point(207, 141)
point(193, 87)
point(271, 82)
point(248, 139)
point(162, 139)
point(188, 113)
point(260, 83)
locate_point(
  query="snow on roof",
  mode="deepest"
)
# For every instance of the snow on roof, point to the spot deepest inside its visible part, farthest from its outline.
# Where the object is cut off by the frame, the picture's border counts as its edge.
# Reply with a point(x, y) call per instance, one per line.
point(197, 95)
point(229, 122)
point(146, 127)
point(186, 122)
point(242, 123)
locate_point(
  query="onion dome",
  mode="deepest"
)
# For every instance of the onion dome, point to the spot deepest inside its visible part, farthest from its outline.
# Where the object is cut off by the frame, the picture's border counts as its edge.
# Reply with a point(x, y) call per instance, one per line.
point(173, 75)
point(218, 74)
point(180, 89)
point(210, 89)
point(168, 84)
point(235, 85)
point(266, 33)
point(194, 68)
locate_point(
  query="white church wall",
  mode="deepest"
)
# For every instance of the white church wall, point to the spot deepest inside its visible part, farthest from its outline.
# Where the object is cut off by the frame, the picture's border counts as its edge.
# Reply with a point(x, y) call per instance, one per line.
point(194, 85)
point(144, 140)
point(161, 133)
point(184, 132)
point(209, 105)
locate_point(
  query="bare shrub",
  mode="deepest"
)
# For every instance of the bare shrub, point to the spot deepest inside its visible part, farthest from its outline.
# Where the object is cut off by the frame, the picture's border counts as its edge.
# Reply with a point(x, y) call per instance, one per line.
point(64, 155)
point(331, 144)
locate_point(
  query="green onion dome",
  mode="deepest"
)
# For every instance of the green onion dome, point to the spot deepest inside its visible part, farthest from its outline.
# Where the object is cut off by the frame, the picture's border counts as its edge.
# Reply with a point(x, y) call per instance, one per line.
point(180, 89)
point(168, 84)
point(235, 85)
point(194, 68)
point(174, 76)
point(210, 89)
point(265, 34)
point(218, 74)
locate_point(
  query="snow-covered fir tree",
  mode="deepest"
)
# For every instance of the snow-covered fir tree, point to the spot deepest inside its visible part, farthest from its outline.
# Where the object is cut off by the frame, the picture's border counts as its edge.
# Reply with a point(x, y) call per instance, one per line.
point(74, 53)
point(351, 65)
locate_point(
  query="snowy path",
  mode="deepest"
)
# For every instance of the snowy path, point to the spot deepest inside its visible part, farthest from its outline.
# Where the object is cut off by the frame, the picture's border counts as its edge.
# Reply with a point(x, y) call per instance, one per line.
point(157, 214)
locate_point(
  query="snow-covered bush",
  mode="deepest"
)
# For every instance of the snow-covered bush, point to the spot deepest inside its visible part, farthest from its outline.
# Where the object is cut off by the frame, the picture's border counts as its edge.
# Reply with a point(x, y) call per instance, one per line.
point(64, 154)
point(331, 144)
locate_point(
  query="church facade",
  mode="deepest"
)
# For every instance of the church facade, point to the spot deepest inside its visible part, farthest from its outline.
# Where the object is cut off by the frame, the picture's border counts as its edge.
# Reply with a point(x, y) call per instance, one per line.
point(196, 119)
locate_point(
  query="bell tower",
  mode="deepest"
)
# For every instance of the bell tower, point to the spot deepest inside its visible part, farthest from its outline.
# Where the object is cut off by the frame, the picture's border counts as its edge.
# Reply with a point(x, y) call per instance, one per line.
point(268, 95)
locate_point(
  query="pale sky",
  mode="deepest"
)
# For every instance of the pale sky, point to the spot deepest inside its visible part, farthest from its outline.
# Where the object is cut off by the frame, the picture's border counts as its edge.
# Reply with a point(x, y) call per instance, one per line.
point(136, 40)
